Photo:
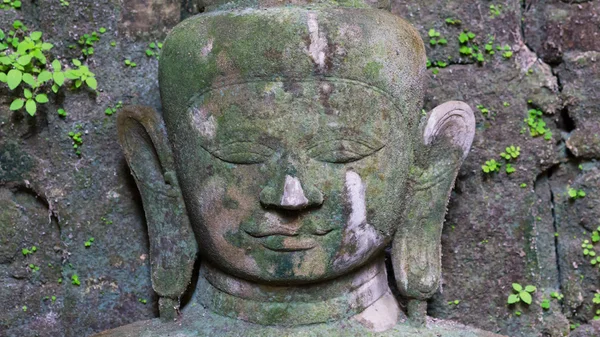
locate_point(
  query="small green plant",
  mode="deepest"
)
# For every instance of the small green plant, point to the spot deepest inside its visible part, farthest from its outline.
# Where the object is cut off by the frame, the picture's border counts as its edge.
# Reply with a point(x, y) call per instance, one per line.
point(102, 30)
point(75, 280)
point(511, 152)
point(523, 185)
point(59, 280)
point(154, 49)
point(509, 168)
point(452, 21)
point(465, 37)
point(491, 166)
point(24, 308)
point(596, 300)
point(24, 64)
point(556, 295)
point(522, 294)
point(536, 124)
point(455, 302)
point(506, 104)
point(64, 3)
point(86, 43)
point(77, 141)
point(8, 4)
point(29, 101)
point(466, 50)
point(495, 10)
point(545, 304)
point(489, 46)
point(113, 43)
point(62, 113)
point(484, 111)
point(130, 64)
point(106, 221)
point(142, 300)
point(111, 110)
point(82, 75)
point(468, 47)
point(575, 193)
point(479, 57)
point(88, 243)
point(26, 69)
point(26, 251)
point(588, 247)
point(33, 267)
point(507, 52)
point(53, 298)
point(436, 38)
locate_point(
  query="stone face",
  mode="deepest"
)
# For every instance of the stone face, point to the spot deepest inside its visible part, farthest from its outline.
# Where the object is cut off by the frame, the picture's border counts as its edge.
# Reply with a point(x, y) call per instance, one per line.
point(299, 155)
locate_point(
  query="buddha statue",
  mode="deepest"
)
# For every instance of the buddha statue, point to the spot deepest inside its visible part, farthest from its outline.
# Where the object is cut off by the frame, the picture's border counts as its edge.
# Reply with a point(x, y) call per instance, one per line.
point(291, 152)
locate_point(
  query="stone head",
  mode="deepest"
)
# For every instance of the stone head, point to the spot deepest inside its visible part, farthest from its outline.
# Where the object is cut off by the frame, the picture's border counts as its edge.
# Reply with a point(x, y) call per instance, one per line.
point(292, 149)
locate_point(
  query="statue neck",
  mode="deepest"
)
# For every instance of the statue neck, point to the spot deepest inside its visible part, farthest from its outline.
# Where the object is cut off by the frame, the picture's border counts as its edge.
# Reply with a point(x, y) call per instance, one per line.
point(327, 301)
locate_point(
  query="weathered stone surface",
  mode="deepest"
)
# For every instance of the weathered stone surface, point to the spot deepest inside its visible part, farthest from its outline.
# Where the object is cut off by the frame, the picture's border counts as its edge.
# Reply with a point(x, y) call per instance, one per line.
point(580, 74)
point(88, 196)
point(587, 330)
point(149, 17)
point(476, 272)
point(554, 27)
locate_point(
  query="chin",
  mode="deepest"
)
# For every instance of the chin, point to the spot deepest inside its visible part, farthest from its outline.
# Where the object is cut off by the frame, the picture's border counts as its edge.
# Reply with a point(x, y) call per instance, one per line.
point(298, 267)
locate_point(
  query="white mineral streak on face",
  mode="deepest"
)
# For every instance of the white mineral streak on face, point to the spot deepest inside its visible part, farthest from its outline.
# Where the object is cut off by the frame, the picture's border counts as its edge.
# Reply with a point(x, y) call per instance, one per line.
point(293, 195)
point(206, 125)
point(318, 41)
point(207, 49)
point(359, 237)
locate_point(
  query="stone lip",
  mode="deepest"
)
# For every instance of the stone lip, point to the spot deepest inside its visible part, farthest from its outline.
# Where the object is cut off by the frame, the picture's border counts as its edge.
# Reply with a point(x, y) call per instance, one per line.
point(289, 243)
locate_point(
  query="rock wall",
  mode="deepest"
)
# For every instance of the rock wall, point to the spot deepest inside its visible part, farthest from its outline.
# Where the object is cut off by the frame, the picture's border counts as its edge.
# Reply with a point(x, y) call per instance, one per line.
point(501, 228)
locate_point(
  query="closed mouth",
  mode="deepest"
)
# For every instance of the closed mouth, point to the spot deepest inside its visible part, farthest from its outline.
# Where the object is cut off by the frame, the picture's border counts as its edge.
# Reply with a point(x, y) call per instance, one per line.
point(283, 243)
point(280, 241)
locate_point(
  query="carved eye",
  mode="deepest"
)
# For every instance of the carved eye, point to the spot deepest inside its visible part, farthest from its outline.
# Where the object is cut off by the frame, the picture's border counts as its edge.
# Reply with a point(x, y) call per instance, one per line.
point(243, 153)
point(343, 150)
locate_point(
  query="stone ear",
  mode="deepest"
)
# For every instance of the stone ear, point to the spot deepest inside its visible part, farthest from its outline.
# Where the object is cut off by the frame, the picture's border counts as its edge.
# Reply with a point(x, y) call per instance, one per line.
point(416, 249)
point(173, 248)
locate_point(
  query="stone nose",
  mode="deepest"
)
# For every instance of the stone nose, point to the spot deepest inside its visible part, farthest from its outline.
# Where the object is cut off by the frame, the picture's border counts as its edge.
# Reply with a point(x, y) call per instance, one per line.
point(291, 196)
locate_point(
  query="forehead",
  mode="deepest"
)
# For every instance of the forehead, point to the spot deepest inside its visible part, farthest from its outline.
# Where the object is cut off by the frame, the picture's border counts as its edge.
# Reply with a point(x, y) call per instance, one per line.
point(304, 106)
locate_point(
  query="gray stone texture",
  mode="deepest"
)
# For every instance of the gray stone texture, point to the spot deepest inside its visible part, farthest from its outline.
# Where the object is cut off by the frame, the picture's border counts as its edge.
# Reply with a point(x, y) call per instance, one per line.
point(496, 232)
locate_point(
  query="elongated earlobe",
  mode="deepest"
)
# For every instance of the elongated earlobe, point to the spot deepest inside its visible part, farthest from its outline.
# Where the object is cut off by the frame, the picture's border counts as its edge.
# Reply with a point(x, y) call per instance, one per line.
point(173, 248)
point(416, 250)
